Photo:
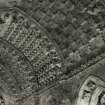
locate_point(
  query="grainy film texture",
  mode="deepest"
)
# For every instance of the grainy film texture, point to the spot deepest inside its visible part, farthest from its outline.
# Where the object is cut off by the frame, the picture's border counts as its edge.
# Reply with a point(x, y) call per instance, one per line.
point(52, 52)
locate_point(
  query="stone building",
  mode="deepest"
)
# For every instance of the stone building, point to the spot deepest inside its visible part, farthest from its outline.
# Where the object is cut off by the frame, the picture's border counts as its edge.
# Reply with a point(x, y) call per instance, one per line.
point(52, 52)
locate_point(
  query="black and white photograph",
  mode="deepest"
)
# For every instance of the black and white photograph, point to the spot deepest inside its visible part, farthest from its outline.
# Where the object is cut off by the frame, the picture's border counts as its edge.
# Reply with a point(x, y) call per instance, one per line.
point(52, 52)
